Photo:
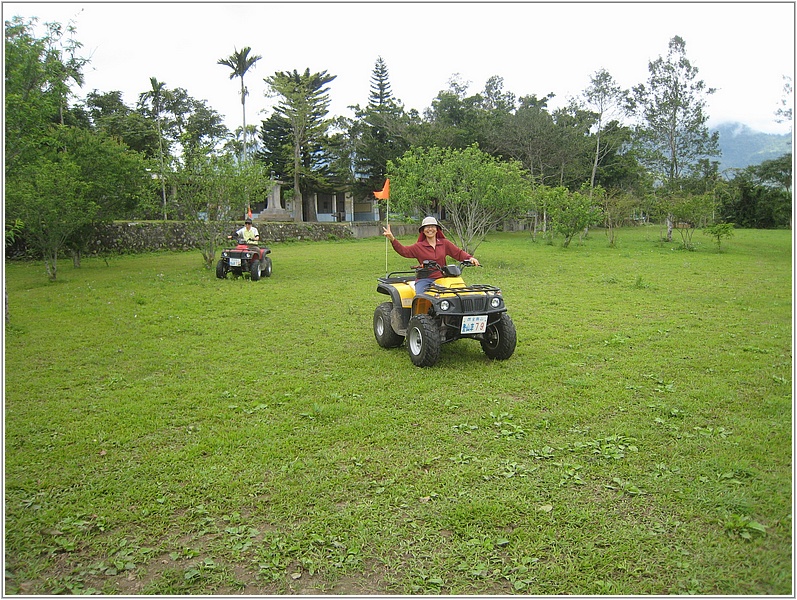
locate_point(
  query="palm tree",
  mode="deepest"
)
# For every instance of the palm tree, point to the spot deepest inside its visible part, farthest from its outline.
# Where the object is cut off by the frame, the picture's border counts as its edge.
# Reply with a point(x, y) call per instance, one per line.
point(157, 97)
point(240, 62)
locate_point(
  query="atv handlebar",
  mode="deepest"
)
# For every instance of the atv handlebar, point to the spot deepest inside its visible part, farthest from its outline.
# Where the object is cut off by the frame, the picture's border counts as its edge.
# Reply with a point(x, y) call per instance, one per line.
point(241, 240)
point(432, 264)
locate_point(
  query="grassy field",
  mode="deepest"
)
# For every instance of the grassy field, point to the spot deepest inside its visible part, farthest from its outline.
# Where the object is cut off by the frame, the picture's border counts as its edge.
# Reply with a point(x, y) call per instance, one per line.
point(167, 432)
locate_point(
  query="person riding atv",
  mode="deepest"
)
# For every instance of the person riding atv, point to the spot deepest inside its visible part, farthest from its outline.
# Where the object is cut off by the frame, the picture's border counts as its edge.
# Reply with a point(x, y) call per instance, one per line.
point(431, 245)
point(247, 233)
point(247, 257)
point(446, 310)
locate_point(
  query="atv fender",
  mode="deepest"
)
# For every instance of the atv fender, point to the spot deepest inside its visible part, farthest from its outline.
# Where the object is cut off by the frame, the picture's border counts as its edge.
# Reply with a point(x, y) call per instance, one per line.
point(400, 292)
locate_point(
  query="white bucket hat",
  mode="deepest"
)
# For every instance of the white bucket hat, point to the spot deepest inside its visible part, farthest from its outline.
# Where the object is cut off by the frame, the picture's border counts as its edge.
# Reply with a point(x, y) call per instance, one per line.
point(429, 221)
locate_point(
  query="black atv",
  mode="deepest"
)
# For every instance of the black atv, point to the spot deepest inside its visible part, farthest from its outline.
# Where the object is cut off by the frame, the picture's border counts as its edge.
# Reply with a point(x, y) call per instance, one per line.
point(448, 310)
point(245, 258)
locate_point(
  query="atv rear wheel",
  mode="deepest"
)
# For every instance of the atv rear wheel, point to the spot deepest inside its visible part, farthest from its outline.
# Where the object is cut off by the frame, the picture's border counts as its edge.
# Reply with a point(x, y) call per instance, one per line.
point(383, 331)
point(267, 267)
point(500, 338)
point(423, 341)
point(221, 270)
point(254, 270)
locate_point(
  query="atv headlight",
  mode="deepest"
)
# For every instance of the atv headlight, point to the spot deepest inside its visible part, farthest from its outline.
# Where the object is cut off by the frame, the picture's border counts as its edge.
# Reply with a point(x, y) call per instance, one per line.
point(445, 305)
point(495, 302)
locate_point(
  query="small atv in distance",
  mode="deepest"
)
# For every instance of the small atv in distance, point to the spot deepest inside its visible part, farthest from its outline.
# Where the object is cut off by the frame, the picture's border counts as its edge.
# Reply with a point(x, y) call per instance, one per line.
point(245, 258)
point(448, 310)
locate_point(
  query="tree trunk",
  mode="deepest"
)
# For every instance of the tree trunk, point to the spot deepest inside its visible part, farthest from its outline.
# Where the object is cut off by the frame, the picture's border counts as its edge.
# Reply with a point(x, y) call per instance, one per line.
point(51, 265)
point(243, 111)
point(311, 215)
point(162, 177)
point(298, 202)
point(597, 158)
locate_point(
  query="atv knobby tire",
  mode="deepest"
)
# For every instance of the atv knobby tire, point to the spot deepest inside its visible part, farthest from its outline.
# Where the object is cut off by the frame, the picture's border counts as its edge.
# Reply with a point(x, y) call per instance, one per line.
point(500, 338)
point(254, 270)
point(423, 341)
point(221, 271)
point(267, 267)
point(383, 331)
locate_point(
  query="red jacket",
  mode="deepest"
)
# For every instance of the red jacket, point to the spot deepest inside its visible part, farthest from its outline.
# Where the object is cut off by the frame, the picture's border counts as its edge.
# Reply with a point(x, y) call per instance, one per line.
point(422, 250)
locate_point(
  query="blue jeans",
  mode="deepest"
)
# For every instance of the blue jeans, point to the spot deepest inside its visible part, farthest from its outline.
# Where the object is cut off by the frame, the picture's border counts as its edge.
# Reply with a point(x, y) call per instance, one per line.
point(421, 285)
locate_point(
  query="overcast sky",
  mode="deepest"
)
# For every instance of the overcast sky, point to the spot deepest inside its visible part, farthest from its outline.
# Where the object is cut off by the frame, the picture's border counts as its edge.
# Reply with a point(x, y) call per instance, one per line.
point(742, 49)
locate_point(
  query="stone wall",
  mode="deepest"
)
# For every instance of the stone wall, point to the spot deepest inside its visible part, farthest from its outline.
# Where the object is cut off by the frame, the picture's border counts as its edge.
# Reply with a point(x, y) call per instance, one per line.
point(149, 236)
point(174, 235)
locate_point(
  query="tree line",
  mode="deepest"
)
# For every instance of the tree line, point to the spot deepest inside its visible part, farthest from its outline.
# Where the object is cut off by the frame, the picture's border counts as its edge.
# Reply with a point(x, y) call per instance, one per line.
point(609, 157)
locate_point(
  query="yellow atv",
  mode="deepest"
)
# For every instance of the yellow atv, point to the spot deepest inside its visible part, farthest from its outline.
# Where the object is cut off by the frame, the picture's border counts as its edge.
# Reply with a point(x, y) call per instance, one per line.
point(448, 310)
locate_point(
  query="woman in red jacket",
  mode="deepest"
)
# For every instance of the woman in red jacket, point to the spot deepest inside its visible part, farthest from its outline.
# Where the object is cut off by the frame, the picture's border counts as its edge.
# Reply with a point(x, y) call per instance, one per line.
point(431, 245)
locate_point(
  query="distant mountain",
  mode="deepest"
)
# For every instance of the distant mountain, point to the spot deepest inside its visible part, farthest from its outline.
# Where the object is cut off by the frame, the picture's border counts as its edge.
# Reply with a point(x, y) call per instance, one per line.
point(742, 147)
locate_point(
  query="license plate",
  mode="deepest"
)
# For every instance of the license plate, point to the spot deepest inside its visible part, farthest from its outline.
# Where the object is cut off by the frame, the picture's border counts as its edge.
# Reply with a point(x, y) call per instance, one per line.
point(235, 262)
point(474, 324)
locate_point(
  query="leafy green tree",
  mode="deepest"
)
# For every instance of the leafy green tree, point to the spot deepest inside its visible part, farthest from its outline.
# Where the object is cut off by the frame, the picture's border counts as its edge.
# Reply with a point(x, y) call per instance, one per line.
point(605, 98)
point(760, 196)
point(776, 172)
point(240, 62)
point(197, 128)
point(571, 155)
point(320, 161)
point(59, 179)
point(155, 99)
point(570, 212)
point(458, 120)
point(690, 211)
point(79, 178)
point(276, 146)
point(64, 64)
point(475, 190)
point(673, 135)
point(530, 137)
point(618, 168)
point(495, 98)
point(34, 88)
point(454, 117)
point(719, 231)
point(110, 115)
point(618, 206)
point(304, 104)
point(211, 192)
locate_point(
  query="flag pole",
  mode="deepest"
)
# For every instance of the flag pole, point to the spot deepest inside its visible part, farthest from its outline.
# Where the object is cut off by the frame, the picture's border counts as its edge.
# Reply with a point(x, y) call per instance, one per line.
point(387, 220)
point(384, 194)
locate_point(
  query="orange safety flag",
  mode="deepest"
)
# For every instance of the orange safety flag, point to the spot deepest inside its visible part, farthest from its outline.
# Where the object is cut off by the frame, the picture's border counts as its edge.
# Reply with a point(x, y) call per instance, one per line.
point(249, 211)
point(385, 193)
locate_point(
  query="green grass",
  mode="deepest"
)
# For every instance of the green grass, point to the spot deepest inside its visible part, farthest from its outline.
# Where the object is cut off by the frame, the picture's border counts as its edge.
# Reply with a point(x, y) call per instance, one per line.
point(170, 433)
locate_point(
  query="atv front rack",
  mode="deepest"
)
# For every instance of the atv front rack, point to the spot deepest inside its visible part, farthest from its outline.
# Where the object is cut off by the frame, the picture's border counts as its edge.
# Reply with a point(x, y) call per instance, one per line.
point(470, 299)
point(468, 289)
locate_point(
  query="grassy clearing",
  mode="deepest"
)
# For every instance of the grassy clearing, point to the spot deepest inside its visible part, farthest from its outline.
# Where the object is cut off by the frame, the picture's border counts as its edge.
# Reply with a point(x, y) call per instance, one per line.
point(170, 433)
